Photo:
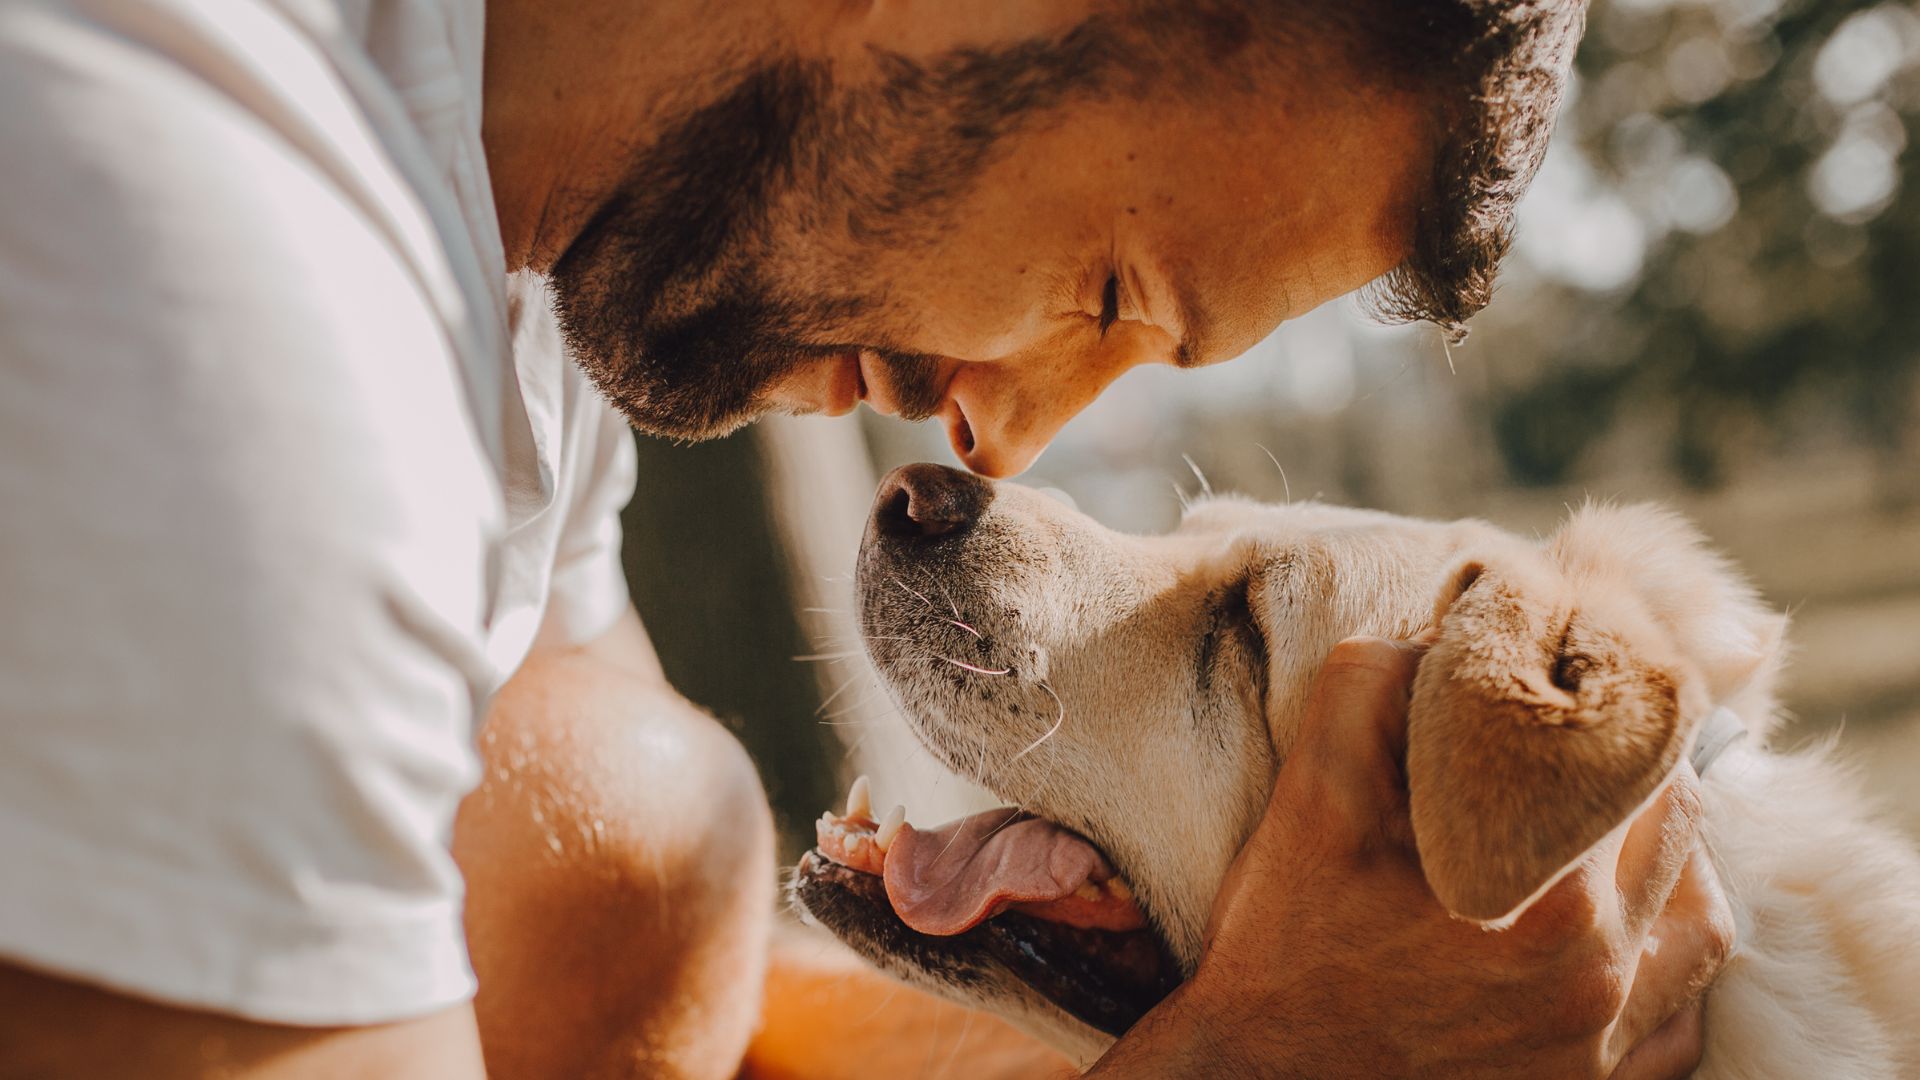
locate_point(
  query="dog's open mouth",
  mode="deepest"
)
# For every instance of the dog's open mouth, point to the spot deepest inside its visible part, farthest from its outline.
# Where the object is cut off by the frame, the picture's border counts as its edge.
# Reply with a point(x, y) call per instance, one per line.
point(1003, 885)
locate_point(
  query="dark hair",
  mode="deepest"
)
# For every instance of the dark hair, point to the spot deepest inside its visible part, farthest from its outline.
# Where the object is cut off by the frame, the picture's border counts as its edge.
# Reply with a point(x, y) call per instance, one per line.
point(1494, 71)
point(1498, 71)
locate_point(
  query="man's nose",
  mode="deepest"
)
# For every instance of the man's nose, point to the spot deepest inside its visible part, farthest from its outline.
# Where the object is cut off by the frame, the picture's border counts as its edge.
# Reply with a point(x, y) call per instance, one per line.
point(924, 501)
point(1000, 420)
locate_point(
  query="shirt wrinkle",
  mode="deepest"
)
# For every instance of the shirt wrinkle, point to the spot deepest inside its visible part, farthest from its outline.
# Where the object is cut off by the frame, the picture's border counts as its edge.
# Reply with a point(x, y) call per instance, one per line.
point(300, 475)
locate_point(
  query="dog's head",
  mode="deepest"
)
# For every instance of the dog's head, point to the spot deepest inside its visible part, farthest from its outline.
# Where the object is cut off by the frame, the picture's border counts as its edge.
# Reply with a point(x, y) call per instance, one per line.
point(1133, 696)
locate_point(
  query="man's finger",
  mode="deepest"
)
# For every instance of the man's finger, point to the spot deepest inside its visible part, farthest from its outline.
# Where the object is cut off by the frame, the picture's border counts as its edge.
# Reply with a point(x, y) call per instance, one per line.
point(1348, 755)
point(1670, 1053)
point(1657, 847)
point(1622, 885)
point(1685, 949)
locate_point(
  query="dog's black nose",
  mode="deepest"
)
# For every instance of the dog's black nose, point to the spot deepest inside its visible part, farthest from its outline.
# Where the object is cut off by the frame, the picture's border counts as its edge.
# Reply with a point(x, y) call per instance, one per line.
point(924, 501)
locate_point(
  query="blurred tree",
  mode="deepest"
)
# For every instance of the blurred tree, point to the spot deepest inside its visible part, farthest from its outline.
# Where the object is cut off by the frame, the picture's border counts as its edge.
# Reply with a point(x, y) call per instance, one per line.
point(1762, 147)
point(711, 581)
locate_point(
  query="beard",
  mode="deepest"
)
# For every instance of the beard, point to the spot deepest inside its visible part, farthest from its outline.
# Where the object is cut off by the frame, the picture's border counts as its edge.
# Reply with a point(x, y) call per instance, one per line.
point(660, 297)
point(667, 298)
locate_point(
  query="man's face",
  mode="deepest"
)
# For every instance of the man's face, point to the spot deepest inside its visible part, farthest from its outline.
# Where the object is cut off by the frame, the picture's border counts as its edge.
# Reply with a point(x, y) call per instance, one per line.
point(799, 244)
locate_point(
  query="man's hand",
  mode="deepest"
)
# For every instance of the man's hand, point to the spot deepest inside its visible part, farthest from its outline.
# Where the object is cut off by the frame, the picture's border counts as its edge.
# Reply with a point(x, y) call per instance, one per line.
point(1329, 957)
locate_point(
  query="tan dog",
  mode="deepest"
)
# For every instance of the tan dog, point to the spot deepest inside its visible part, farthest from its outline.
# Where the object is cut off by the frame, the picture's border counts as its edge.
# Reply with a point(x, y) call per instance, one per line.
point(1133, 697)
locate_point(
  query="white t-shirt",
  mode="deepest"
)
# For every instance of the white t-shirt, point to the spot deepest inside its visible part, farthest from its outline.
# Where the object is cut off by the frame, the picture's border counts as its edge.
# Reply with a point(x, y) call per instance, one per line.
point(279, 505)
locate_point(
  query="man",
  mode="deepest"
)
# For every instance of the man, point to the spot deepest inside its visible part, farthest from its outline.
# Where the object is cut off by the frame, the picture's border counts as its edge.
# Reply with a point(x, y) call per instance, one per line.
point(298, 482)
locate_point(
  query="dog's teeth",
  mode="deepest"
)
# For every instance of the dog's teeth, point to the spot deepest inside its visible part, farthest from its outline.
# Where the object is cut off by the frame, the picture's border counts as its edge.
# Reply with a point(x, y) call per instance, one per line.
point(1119, 888)
point(860, 798)
point(890, 828)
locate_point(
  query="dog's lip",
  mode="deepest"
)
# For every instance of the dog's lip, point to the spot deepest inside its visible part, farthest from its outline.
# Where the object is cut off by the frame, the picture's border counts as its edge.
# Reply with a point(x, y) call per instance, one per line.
point(1105, 979)
point(946, 880)
point(1085, 947)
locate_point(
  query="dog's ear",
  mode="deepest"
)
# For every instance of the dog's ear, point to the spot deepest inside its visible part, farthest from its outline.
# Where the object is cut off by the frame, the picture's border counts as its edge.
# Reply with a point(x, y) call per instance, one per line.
point(1712, 615)
point(1545, 712)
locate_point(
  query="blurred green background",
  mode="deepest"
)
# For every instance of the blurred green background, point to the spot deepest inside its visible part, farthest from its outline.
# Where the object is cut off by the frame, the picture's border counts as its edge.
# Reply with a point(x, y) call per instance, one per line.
point(1714, 301)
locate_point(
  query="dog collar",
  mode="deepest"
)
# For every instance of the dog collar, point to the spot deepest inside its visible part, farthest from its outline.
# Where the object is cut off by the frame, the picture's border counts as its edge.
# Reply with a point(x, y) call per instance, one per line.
point(1721, 730)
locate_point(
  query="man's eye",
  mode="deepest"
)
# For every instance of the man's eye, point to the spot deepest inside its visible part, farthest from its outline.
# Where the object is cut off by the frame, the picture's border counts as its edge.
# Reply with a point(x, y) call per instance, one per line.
point(1109, 304)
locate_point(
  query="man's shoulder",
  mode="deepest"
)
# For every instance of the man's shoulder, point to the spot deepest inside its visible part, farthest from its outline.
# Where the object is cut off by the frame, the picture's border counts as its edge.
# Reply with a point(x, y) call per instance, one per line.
point(181, 278)
point(135, 128)
point(165, 207)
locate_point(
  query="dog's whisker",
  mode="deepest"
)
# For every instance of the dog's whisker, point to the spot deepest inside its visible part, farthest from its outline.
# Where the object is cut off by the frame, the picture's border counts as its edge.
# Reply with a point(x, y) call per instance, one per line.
point(1206, 488)
point(847, 718)
point(814, 658)
point(875, 692)
point(851, 708)
point(968, 629)
point(828, 701)
point(1013, 814)
point(975, 668)
point(885, 660)
point(1286, 489)
point(953, 1055)
point(913, 592)
point(948, 597)
point(1057, 721)
point(843, 717)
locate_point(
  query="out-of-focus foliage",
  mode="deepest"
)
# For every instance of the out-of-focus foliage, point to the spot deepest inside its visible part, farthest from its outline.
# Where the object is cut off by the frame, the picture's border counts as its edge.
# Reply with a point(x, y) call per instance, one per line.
point(1750, 275)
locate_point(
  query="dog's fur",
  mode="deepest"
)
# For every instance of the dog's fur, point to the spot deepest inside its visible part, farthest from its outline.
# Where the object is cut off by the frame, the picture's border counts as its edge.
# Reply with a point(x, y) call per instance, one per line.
point(1154, 684)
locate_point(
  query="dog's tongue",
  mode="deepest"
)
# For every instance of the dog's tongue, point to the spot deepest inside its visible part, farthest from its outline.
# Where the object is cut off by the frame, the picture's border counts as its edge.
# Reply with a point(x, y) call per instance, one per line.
point(945, 881)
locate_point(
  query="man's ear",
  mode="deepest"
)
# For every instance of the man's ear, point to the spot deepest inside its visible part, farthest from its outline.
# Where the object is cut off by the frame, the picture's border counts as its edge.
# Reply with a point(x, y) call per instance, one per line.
point(1541, 719)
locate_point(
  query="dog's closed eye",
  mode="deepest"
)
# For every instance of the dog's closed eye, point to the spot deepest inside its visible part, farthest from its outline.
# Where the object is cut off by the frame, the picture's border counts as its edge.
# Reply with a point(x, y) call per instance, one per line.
point(1229, 623)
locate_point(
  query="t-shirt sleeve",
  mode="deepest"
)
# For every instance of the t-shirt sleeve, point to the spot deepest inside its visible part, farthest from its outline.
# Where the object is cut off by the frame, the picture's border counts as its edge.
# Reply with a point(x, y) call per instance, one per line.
point(243, 528)
point(588, 590)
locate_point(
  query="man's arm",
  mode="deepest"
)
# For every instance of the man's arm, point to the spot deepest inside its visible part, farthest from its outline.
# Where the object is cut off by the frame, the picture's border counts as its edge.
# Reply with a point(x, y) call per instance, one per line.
point(831, 1016)
point(1329, 957)
point(243, 580)
point(579, 971)
point(618, 857)
point(619, 863)
point(55, 1029)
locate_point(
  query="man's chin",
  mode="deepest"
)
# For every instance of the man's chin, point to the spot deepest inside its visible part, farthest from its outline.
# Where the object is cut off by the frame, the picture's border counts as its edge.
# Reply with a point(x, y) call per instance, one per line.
point(698, 415)
point(691, 430)
point(707, 389)
point(722, 427)
point(682, 413)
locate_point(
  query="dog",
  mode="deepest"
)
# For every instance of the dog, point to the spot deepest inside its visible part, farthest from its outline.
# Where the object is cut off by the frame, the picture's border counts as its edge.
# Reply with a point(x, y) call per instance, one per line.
point(1094, 680)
